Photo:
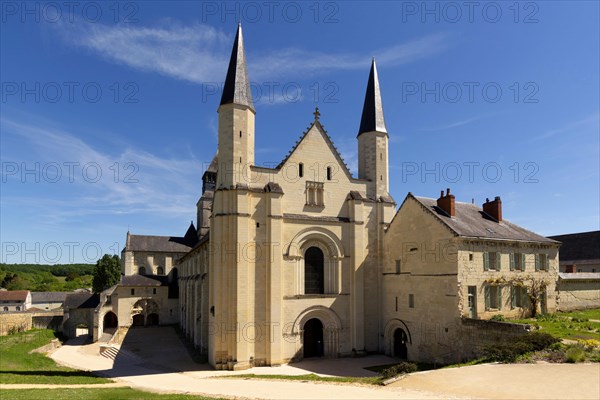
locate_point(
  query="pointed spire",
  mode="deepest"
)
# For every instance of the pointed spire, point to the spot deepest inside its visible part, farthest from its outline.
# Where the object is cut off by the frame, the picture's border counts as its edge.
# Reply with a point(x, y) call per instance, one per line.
point(237, 85)
point(372, 115)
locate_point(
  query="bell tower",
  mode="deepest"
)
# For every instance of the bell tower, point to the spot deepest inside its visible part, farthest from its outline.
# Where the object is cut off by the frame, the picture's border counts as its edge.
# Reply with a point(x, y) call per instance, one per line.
point(373, 140)
point(236, 121)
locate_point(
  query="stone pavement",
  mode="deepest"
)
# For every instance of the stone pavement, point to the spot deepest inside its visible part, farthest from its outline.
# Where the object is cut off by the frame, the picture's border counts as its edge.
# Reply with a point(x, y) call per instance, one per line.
point(155, 360)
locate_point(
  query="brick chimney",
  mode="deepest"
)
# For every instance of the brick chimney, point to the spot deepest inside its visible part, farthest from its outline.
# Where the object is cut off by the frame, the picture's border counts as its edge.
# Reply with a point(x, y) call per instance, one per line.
point(446, 202)
point(493, 208)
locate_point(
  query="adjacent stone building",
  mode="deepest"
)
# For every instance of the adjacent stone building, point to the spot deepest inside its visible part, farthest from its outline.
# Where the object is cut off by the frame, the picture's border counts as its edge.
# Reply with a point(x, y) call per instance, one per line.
point(447, 261)
point(15, 300)
point(580, 252)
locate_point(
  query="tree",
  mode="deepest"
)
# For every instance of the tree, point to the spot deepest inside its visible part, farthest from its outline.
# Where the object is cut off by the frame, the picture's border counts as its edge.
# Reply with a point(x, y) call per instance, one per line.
point(107, 273)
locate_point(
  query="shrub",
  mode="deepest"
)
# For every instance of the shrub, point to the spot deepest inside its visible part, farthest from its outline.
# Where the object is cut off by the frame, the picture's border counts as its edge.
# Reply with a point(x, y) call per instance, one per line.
point(402, 368)
point(498, 318)
point(575, 353)
point(509, 351)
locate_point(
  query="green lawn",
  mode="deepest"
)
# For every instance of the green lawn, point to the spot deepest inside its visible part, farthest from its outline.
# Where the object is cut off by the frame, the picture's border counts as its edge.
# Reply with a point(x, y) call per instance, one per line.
point(93, 394)
point(18, 366)
point(376, 380)
point(568, 325)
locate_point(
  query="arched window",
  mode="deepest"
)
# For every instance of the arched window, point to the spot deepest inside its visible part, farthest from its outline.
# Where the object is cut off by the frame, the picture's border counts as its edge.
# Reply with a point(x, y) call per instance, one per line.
point(314, 274)
point(5, 308)
point(18, 308)
point(160, 271)
point(142, 270)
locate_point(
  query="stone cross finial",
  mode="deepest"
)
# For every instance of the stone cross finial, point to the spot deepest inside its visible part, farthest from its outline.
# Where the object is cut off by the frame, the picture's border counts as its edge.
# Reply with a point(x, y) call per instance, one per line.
point(317, 114)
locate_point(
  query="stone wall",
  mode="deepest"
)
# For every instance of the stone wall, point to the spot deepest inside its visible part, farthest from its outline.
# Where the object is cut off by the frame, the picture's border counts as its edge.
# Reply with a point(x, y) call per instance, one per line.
point(477, 333)
point(10, 321)
point(48, 320)
point(579, 291)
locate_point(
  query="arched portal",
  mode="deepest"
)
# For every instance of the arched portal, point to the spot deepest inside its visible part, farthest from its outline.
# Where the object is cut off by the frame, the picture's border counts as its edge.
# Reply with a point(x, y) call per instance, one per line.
point(138, 320)
point(110, 320)
point(400, 341)
point(313, 338)
point(152, 319)
point(314, 271)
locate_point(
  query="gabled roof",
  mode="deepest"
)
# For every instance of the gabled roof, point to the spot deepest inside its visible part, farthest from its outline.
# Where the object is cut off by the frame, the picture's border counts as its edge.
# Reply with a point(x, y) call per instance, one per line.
point(236, 89)
point(579, 246)
point(470, 221)
point(372, 116)
point(48, 297)
point(81, 300)
point(139, 280)
point(13, 295)
point(317, 124)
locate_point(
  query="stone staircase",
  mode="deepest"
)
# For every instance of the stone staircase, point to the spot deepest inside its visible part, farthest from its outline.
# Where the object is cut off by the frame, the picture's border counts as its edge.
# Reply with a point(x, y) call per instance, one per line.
point(116, 354)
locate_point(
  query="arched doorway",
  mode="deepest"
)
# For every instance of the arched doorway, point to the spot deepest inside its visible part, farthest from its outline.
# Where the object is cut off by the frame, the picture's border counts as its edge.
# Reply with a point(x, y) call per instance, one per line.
point(152, 319)
point(110, 320)
point(314, 271)
point(400, 340)
point(138, 320)
point(313, 338)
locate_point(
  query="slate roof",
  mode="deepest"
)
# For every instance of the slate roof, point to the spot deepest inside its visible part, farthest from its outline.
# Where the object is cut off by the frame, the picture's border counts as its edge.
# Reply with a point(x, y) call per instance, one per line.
point(579, 246)
point(372, 116)
point(13, 295)
point(161, 243)
point(471, 221)
point(139, 280)
point(81, 300)
point(236, 89)
point(48, 297)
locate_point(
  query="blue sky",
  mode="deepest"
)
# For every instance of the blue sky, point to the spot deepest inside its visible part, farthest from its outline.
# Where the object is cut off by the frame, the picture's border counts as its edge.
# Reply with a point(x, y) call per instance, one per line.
point(108, 110)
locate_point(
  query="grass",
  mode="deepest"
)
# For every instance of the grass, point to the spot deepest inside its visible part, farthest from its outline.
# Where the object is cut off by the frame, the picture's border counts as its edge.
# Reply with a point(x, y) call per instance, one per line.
point(567, 325)
point(93, 394)
point(18, 366)
point(375, 380)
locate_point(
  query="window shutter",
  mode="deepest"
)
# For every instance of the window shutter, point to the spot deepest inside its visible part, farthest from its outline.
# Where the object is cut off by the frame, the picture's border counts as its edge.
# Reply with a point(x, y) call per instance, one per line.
point(513, 297)
point(537, 262)
point(487, 297)
point(522, 262)
point(499, 297)
point(486, 261)
point(498, 261)
point(547, 259)
point(512, 261)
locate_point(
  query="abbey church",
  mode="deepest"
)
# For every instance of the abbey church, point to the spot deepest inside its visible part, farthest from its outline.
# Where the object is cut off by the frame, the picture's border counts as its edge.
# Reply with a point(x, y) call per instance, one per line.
point(307, 260)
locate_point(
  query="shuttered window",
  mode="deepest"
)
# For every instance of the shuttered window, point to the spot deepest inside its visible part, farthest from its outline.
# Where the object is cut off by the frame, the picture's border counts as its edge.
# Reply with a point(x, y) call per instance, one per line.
point(493, 298)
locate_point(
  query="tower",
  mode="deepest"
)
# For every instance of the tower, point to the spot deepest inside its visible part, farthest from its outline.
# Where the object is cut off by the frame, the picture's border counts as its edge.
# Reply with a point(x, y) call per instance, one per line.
point(236, 121)
point(373, 140)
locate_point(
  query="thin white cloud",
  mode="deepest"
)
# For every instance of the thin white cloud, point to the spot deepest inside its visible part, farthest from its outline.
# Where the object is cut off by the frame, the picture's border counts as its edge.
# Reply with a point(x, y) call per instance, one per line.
point(144, 182)
point(199, 53)
point(455, 124)
point(590, 121)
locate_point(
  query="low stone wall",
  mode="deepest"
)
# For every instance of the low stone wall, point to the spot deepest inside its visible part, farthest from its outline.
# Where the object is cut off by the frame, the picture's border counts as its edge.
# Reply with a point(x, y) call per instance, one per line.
point(12, 322)
point(578, 291)
point(48, 320)
point(477, 333)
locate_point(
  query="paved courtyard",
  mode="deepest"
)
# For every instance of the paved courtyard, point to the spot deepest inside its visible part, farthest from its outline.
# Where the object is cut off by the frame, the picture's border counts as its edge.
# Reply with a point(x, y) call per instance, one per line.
point(155, 359)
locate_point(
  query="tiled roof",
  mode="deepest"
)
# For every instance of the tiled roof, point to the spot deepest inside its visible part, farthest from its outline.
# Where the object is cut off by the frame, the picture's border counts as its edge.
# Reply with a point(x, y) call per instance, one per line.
point(48, 297)
point(13, 295)
point(139, 280)
point(579, 246)
point(81, 300)
point(471, 221)
point(159, 243)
